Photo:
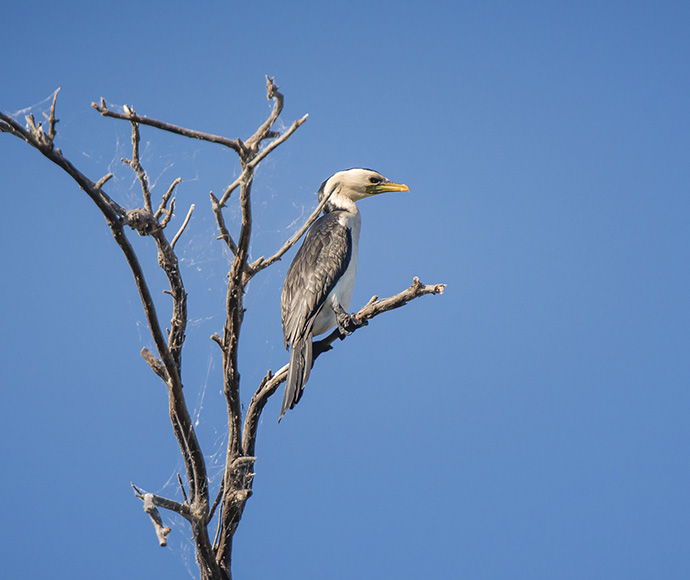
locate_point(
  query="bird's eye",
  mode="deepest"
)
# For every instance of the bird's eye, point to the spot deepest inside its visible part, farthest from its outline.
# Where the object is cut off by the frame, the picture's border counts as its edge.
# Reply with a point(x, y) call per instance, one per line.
point(375, 180)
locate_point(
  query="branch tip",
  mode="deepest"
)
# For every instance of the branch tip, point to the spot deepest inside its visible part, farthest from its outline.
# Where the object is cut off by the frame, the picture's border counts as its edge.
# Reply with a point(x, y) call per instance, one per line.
point(151, 509)
point(102, 181)
point(156, 365)
point(51, 118)
point(271, 87)
point(218, 340)
point(182, 227)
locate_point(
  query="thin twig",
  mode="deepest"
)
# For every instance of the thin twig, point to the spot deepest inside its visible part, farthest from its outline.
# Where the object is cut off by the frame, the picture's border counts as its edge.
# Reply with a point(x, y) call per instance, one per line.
point(232, 187)
point(165, 198)
point(216, 501)
point(51, 118)
point(168, 213)
point(224, 233)
point(182, 227)
point(184, 493)
point(219, 526)
point(102, 181)
point(135, 163)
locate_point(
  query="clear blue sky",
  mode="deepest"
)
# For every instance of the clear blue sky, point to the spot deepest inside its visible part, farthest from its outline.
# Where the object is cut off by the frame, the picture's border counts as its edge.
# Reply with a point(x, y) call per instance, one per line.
point(532, 423)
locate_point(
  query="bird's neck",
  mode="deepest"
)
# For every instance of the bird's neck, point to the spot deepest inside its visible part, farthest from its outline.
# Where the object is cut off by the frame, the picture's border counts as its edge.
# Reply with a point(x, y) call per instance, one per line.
point(339, 202)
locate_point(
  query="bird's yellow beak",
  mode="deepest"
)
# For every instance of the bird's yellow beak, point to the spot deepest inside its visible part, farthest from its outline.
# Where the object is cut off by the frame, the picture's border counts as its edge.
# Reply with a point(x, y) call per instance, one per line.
point(385, 187)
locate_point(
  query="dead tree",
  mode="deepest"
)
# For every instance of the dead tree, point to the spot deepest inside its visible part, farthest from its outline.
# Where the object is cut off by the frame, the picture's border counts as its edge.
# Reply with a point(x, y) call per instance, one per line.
point(213, 518)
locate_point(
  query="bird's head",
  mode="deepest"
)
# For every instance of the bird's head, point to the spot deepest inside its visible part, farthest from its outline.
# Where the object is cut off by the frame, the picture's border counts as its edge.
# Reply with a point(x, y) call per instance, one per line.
point(356, 184)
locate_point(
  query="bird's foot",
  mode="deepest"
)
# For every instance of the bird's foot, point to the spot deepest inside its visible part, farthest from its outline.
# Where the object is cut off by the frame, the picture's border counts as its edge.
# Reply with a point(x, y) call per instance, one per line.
point(348, 323)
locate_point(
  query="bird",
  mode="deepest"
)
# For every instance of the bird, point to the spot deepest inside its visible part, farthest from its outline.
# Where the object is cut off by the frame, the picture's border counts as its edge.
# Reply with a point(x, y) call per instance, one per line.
point(320, 280)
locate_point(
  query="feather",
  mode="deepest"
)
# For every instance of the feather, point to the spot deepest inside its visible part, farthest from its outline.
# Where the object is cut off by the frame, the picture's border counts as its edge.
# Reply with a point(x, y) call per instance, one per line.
point(319, 264)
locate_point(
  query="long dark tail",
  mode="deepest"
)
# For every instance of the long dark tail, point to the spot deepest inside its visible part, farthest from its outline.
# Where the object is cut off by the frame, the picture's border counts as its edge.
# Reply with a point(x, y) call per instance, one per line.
point(298, 373)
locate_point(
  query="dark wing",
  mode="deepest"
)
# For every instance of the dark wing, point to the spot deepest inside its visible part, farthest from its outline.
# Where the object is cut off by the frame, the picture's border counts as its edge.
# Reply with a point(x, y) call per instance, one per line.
point(318, 265)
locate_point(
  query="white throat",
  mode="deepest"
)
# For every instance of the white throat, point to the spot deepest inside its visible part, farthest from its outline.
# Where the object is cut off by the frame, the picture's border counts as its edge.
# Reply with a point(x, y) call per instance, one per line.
point(337, 201)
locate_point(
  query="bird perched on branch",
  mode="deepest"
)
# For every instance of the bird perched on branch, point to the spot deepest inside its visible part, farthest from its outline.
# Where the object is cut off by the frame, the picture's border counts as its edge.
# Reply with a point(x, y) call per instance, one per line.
point(319, 283)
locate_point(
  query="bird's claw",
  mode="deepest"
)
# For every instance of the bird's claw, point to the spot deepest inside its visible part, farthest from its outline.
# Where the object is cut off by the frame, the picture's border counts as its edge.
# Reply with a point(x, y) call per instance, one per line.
point(348, 323)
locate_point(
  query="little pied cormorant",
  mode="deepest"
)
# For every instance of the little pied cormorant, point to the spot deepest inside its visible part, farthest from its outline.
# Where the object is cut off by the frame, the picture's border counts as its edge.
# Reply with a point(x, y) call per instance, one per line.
point(320, 280)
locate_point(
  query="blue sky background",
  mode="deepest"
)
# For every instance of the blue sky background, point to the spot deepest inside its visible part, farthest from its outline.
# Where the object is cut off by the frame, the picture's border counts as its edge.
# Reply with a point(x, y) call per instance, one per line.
point(530, 423)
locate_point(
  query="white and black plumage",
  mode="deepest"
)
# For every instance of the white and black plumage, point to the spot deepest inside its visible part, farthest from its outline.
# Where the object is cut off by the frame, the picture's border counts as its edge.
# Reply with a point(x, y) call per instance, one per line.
point(319, 283)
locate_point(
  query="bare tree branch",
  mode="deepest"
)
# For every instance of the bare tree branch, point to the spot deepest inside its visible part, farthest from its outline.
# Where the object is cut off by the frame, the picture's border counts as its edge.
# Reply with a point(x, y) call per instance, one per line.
point(129, 115)
point(375, 307)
